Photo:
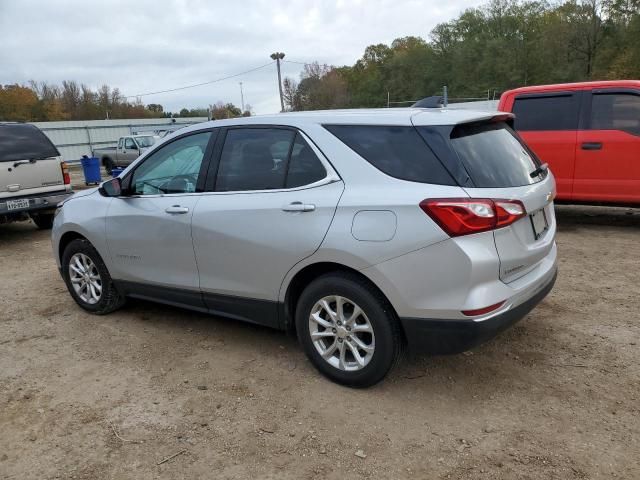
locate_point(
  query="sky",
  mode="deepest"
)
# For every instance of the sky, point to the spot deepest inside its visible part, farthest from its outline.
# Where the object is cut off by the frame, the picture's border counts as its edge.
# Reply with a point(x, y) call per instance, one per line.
point(146, 46)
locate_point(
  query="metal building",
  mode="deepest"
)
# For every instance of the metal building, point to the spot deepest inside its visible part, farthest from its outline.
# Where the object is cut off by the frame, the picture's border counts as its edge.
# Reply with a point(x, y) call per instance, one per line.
point(77, 138)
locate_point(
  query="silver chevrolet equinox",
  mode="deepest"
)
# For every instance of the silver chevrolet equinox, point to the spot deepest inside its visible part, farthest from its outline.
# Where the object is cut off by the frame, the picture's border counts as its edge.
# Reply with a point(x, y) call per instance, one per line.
point(360, 230)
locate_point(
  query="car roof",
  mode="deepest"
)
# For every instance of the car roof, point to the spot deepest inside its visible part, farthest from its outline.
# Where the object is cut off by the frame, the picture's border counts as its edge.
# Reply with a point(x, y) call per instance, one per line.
point(575, 86)
point(363, 116)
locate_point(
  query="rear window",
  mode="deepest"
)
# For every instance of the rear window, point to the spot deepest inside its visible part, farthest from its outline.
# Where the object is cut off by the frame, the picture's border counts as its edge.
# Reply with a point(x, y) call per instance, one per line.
point(549, 112)
point(24, 142)
point(398, 151)
point(493, 156)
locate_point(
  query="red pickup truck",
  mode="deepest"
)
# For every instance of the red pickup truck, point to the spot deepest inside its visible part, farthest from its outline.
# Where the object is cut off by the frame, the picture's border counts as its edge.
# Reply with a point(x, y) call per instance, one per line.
point(588, 133)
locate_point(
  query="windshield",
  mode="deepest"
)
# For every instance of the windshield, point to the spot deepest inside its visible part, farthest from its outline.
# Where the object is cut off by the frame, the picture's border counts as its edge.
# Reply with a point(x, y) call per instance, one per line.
point(24, 142)
point(144, 142)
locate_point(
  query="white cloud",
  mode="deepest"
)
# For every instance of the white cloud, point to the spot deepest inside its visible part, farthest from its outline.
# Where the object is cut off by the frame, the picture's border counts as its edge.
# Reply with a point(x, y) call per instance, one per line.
point(148, 45)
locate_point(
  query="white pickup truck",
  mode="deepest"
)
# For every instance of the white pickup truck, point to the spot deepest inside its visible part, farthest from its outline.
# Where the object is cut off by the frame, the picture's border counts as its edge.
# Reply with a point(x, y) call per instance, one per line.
point(129, 148)
point(33, 177)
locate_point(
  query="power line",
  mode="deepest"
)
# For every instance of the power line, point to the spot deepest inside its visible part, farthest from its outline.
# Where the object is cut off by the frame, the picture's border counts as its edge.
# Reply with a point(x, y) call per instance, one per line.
point(200, 84)
point(293, 61)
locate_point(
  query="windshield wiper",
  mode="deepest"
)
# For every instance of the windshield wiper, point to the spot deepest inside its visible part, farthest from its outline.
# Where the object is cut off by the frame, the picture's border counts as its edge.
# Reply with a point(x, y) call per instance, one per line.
point(31, 160)
point(540, 170)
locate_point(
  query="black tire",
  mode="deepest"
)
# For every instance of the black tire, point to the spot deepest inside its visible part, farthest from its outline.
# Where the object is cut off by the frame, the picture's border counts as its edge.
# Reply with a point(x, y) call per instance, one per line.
point(44, 221)
point(111, 299)
point(108, 165)
point(386, 327)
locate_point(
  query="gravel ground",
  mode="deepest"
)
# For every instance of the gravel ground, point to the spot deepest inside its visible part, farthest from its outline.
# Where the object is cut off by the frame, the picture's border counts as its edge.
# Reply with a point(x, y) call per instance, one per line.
point(157, 392)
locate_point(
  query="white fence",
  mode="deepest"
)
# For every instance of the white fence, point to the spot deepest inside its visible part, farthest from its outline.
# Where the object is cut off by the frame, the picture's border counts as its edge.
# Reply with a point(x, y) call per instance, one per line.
point(77, 138)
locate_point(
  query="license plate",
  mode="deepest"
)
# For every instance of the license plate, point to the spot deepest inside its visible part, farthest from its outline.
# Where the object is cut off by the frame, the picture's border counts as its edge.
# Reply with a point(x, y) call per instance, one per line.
point(539, 223)
point(17, 204)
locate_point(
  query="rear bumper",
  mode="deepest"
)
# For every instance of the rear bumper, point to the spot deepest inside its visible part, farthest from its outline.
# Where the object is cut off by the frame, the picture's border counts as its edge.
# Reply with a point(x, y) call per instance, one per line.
point(47, 201)
point(441, 336)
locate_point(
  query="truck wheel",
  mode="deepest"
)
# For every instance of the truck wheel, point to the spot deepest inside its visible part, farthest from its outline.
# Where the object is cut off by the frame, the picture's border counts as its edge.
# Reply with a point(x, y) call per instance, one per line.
point(108, 165)
point(348, 330)
point(43, 221)
point(88, 279)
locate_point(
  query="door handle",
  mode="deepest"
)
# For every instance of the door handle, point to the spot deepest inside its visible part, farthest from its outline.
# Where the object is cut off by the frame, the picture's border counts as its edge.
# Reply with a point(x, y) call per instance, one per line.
point(176, 209)
point(299, 207)
point(592, 146)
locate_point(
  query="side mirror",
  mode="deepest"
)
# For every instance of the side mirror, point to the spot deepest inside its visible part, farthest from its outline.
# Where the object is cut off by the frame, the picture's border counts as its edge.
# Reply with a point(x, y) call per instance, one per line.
point(111, 188)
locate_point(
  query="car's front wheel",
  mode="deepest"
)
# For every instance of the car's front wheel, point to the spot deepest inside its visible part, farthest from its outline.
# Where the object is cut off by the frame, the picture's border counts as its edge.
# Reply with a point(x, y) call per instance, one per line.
point(88, 279)
point(348, 329)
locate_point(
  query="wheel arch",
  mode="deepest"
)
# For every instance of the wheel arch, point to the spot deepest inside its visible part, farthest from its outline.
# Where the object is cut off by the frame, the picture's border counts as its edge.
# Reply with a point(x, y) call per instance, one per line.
point(308, 274)
point(66, 239)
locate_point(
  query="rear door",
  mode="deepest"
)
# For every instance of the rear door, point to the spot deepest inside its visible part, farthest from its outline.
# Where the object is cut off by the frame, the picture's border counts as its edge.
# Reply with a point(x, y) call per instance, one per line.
point(271, 198)
point(29, 162)
point(608, 153)
point(500, 167)
point(548, 123)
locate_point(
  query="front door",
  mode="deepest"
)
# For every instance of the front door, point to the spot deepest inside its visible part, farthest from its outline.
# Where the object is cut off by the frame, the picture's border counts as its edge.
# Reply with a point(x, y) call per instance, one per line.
point(149, 229)
point(268, 208)
point(608, 151)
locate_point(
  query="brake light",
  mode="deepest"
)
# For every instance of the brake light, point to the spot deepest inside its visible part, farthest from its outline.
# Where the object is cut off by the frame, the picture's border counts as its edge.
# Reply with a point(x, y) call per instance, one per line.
point(65, 173)
point(463, 216)
point(483, 311)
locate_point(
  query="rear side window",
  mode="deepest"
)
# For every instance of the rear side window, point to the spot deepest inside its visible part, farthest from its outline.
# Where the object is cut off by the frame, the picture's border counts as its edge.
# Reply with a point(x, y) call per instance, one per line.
point(616, 111)
point(24, 142)
point(304, 166)
point(553, 112)
point(493, 156)
point(398, 151)
point(254, 159)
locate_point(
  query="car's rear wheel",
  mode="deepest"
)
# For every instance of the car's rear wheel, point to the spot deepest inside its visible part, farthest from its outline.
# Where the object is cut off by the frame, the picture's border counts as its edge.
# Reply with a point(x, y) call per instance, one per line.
point(348, 329)
point(108, 165)
point(43, 221)
point(88, 279)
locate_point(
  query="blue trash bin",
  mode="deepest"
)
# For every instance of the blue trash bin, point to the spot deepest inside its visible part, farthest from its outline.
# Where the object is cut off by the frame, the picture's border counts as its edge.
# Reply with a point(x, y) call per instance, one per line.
point(115, 171)
point(91, 170)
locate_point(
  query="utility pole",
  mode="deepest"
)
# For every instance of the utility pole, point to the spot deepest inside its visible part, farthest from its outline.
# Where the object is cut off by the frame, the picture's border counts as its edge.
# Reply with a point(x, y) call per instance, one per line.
point(241, 97)
point(277, 56)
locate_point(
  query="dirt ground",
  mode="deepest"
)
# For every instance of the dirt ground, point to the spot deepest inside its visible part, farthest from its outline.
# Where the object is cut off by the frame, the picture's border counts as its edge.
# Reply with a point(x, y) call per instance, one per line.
point(555, 397)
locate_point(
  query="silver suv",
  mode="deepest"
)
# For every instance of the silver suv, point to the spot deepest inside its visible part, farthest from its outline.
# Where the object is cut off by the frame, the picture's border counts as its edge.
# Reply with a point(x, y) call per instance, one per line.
point(360, 230)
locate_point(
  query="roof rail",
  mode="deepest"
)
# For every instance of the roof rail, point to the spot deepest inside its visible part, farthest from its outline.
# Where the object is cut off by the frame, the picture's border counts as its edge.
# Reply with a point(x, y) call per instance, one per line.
point(435, 101)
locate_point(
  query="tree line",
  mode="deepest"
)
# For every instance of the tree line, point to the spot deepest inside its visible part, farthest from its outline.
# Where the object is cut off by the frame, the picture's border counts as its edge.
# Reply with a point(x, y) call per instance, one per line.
point(484, 51)
point(42, 101)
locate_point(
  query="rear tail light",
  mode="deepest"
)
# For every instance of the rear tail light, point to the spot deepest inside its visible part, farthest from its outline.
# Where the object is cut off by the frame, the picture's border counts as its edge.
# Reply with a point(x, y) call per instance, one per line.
point(463, 216)
point(65, 173)
point(483, 311)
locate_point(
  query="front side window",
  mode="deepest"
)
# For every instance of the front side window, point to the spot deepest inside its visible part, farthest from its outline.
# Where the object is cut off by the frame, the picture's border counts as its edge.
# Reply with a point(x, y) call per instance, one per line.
point(174, 168)
point(121, 143)
point(552, 112)
point(616, 111)
point(129, 144)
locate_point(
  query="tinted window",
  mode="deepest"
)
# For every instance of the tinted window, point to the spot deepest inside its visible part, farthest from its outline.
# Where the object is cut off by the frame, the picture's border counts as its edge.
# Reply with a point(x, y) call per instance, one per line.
point(24, 142)
point(304, 166)
point(616, 111)
point(546, 113)
point(129, 144)
point(173, 168)
point(254, 159)
point(397, 151)
point(493, 156)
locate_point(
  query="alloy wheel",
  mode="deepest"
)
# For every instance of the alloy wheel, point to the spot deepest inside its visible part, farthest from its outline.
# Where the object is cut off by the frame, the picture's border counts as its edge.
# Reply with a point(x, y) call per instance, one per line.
point(85, 278)
point(341, 333)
